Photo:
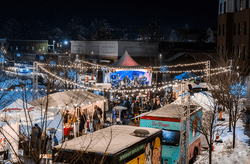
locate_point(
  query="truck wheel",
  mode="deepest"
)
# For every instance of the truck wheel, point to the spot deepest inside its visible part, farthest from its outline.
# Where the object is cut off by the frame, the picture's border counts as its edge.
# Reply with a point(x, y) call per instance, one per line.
point(195, 155)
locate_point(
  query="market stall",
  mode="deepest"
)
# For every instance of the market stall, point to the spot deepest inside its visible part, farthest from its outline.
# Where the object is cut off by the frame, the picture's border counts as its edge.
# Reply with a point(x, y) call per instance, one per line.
point(71, 105)
point(17, 120)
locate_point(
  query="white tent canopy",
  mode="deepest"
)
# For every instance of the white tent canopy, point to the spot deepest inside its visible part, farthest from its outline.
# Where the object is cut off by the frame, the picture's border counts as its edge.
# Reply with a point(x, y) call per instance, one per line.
point(18, 105)
point(68, 98)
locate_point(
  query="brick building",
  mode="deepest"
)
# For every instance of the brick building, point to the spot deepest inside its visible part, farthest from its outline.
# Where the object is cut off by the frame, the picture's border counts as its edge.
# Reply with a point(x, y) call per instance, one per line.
point(233, 27)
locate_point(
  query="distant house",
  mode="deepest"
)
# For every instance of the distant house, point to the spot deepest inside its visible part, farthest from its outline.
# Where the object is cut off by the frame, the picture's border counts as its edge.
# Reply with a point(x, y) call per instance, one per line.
point(24, 50)
point(211, 35)
point(174, 36)
point(185, 35)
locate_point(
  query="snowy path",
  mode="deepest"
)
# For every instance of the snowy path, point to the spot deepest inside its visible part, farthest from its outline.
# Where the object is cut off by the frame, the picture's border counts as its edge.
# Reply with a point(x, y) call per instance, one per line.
point(224, 153)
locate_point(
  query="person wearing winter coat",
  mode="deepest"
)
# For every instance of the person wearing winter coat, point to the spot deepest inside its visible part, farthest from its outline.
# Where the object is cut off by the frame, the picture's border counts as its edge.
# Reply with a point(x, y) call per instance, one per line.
point(136, 110)
point(83, 119)
point(34, 137)
point(88, 126)
point(157, 105)
point(148, 107)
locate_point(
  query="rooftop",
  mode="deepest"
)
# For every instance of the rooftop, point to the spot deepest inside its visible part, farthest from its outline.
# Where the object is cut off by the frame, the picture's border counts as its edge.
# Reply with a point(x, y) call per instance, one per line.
point(119, 137)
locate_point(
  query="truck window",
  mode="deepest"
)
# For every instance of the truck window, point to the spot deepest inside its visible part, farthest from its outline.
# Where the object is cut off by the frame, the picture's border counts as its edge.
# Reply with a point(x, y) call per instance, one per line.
point(170, 137)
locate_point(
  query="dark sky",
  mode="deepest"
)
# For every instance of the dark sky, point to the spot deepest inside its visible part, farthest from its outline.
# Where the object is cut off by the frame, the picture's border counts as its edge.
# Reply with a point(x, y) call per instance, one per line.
point(119, 13)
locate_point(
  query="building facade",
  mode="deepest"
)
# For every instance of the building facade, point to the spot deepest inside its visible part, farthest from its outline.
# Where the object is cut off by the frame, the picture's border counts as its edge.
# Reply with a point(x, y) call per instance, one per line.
point(114, 49)
point(233, 33)
point(23, 50)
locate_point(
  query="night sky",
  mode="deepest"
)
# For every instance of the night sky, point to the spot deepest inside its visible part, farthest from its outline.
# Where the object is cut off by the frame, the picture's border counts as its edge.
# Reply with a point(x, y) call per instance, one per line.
point(119, 13)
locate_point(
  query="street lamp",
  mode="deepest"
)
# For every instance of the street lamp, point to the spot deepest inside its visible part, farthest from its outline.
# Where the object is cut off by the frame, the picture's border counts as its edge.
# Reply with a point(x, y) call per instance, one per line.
point(54, 46)
point(160, 58)
point(66, 44)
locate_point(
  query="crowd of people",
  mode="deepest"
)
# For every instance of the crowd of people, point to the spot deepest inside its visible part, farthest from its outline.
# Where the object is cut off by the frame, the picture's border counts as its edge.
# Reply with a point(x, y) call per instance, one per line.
point(140, 104)
point(134, 105)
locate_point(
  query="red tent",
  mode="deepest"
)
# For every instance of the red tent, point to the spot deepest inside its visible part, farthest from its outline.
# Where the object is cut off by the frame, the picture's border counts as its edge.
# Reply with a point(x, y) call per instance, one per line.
point(125, 61)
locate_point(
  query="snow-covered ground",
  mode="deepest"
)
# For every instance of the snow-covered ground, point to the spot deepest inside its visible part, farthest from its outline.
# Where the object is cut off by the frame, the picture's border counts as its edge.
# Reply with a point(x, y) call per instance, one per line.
point(224, 153)
point(8, 97)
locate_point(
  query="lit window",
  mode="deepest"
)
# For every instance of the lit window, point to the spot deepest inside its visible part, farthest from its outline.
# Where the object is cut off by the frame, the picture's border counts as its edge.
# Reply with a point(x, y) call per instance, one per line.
point(16, 47)
point(241, 5)
point(57, 44)
point(43, 48)
point(39, 49)
point(33, 48)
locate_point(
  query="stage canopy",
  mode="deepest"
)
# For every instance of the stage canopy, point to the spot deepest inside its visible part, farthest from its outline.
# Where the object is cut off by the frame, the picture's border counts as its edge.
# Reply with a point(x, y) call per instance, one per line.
point(125, 61)
point(186, 75)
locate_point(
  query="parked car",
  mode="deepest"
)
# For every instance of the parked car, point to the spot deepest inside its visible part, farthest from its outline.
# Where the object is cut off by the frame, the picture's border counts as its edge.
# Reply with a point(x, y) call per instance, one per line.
point(22, 69)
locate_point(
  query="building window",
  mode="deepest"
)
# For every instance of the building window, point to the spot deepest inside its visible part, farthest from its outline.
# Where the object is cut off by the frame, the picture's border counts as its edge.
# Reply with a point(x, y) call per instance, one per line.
point(223, 29)
point(27, 48)
point(11, 47)
point(219, 30)
point(245, 28)
point(43, 48)
point(16, 47)
point(33, 48)
point(235, 5)
point(220, 8)
point(239, 29)
point(241, 5)
point(57, 44)
point(39, 49)
point(225, 7)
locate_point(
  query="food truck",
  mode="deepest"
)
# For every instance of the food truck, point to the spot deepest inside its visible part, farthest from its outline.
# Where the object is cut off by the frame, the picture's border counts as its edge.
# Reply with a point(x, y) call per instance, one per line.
point(117, 144)
point(168, 119)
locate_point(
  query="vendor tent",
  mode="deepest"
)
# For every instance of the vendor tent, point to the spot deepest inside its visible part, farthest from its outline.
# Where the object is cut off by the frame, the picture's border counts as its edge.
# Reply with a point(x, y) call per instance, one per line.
point(68, 98)
point(186, 75)
point(125, 61)
point(18, 105)
point(22, 112)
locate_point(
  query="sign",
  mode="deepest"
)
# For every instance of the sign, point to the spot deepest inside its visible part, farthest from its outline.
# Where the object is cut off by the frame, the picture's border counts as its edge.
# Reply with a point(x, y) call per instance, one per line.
point(131, 152)
point(160, 124)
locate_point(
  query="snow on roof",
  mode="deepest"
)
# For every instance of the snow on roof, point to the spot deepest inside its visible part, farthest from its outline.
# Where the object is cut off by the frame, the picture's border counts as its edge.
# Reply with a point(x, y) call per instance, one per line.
point(119, 137)
point(68, 98)
point(170, 110)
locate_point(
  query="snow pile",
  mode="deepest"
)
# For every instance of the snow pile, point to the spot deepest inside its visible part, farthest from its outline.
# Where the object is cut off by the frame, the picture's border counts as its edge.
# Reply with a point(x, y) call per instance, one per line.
point(224, 153)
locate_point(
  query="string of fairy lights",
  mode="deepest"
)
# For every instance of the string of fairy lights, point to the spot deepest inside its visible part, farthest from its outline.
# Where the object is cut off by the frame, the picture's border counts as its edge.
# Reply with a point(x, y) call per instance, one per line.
point(125, 89)
point(122, 89)
point(95, 65)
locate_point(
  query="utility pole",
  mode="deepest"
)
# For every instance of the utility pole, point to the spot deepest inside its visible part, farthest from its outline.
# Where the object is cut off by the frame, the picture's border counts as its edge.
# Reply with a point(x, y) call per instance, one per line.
point(182, 131)
point(188, 128)
point(208, 71)
point(35, 80)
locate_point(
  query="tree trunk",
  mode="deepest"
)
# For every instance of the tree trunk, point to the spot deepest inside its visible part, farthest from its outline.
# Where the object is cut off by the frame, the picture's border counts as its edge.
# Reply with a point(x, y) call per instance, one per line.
point(210, 153)
point(234, 126)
